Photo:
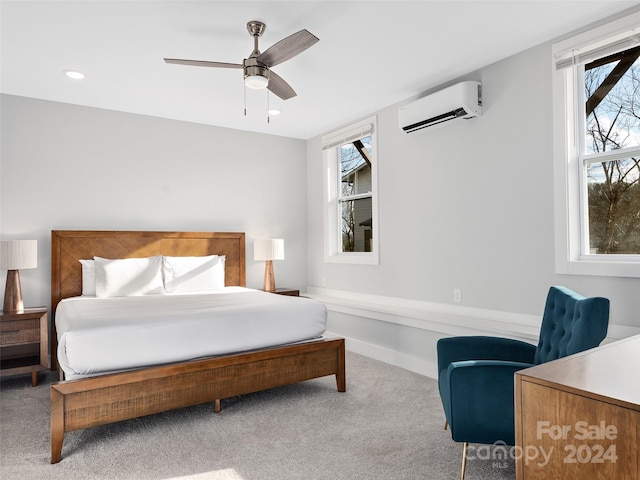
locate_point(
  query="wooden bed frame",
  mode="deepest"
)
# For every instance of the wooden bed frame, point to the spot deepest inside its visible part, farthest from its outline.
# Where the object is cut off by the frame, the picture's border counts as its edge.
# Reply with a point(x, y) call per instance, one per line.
point(77, 404)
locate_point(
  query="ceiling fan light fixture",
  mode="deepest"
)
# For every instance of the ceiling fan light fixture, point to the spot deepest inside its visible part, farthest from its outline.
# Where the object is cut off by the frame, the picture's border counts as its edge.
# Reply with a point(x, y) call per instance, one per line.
point(255, 75)
point(256, 81)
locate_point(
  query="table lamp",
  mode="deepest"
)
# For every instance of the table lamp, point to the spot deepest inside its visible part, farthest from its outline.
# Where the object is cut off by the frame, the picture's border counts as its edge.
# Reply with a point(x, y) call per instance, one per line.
point(16, 255)
point(268, 250)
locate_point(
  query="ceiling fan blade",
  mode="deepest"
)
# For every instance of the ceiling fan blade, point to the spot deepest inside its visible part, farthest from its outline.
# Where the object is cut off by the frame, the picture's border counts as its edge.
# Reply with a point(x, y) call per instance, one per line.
point(287, 48)
point(279, 87)
point(203, 63)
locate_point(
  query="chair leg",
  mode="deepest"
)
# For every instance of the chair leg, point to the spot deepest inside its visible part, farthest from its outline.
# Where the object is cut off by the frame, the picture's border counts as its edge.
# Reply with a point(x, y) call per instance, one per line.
point(464, 460)
point(446, 424)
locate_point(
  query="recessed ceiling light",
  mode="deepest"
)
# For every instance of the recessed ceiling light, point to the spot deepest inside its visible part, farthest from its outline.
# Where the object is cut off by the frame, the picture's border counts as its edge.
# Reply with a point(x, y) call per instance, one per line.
point(274, 111)
point(74, 74)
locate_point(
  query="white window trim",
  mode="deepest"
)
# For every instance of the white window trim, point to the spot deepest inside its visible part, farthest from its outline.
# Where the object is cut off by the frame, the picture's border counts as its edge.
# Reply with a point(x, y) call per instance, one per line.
point(567, 165)
point(332, 253)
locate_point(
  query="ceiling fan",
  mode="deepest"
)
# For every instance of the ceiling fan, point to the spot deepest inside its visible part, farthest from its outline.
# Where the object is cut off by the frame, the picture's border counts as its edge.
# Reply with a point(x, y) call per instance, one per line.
point(257, 68)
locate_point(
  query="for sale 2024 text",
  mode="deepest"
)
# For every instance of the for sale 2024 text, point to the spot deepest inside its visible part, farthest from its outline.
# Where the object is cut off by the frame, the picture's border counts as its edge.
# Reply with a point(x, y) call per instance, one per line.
point(581, 431)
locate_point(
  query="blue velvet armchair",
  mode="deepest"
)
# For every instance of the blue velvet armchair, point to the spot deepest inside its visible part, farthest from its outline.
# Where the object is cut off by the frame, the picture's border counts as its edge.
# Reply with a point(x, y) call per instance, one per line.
point(476, 373)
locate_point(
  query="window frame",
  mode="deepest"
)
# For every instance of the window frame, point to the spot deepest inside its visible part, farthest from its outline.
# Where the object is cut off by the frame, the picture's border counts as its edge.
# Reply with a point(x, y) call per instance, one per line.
point(332, 198)
point(569, 163)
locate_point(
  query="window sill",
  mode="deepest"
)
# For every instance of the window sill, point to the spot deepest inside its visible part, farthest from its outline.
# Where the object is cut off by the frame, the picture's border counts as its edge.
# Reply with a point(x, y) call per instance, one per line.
point(603, 268)
point(352, 258)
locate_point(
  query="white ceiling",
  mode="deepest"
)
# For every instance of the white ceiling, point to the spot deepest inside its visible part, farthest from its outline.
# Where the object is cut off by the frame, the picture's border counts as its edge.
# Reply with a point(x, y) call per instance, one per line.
point(371, 54)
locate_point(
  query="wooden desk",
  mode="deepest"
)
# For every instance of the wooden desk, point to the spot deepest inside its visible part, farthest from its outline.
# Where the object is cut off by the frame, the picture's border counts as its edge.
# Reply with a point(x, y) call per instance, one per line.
point(579, 417)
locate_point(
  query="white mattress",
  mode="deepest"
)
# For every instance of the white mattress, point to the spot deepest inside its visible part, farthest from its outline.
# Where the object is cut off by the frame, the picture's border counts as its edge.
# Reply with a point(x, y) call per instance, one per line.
point(102, 335)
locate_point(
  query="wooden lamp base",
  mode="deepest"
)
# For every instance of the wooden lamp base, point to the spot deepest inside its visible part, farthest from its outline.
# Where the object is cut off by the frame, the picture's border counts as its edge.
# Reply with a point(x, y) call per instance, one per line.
point(269, 278)
point(13, 293)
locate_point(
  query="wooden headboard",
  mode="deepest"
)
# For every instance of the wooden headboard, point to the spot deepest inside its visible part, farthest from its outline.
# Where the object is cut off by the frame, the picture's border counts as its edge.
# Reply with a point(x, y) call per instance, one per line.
point(70, 246)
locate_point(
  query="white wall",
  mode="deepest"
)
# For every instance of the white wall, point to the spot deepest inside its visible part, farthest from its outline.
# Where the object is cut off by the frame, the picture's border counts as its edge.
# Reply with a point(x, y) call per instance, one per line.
point(466, 206)
point(70, 167)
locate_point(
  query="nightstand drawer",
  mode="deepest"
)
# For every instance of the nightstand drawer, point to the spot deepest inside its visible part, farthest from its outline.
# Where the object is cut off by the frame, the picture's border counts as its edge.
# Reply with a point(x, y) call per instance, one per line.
point(19, 331)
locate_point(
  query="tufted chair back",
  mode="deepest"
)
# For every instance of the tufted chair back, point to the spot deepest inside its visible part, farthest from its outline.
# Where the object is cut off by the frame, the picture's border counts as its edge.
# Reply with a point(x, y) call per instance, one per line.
point(571, 323)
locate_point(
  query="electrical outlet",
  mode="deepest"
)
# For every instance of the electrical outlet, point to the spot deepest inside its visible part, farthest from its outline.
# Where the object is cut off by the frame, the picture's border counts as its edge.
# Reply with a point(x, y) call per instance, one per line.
point(457, 295)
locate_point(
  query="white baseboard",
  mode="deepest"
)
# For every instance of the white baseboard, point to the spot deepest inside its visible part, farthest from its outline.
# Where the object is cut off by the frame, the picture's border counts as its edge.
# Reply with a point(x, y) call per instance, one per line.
point(392, 357)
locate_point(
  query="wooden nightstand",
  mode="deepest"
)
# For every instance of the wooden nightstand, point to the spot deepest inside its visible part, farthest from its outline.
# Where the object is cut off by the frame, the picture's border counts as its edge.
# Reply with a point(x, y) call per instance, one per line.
point(24, 342)
point(287, 291)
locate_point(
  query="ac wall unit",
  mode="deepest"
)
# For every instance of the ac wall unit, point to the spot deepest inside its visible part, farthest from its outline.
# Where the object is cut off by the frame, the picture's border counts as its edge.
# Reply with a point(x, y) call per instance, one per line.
point(461, 101)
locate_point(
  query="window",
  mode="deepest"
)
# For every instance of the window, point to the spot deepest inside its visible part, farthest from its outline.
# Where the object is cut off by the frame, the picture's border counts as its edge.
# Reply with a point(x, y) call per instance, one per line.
point(610, 156)
point(351, 211)
point(597, 150)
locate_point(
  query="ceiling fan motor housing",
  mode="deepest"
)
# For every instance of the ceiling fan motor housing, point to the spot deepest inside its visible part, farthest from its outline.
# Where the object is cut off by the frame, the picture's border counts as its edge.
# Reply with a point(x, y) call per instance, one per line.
point(253, 68)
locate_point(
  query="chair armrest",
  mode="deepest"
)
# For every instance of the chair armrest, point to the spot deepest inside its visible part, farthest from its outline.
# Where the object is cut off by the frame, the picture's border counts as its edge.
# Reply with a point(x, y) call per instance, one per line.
point(455, 349)
point(481, 400)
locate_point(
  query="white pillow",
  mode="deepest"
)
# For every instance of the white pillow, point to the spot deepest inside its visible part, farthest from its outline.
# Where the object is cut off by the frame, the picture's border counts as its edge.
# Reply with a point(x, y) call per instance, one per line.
point(193, 274)
point(88, 278)
point(128, 277)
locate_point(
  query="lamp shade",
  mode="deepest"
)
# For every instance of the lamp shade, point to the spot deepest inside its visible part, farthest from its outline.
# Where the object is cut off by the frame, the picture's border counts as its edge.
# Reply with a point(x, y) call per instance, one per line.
point(18, 254)
point(272, 249)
